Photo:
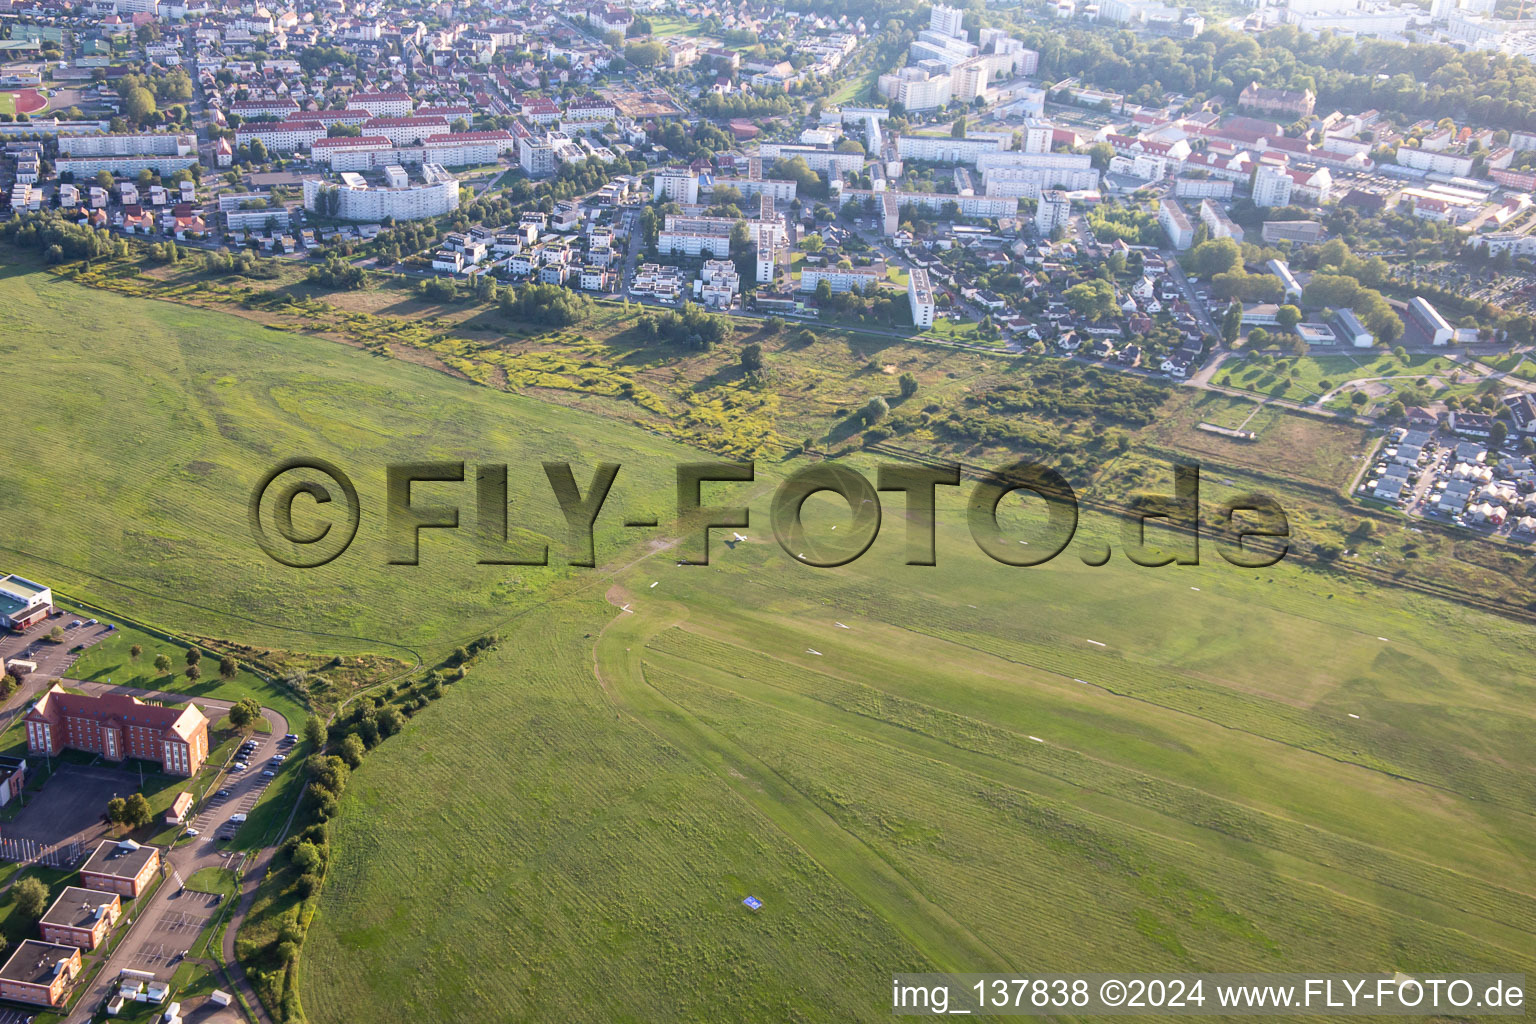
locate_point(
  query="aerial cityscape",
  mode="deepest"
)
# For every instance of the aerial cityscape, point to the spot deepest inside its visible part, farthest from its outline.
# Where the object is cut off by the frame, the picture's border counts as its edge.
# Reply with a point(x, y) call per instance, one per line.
point(740, 511)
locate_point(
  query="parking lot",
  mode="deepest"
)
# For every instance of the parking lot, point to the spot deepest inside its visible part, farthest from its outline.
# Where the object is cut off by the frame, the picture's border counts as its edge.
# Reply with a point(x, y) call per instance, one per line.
point(239, 791)
point(73, 803)
point(13, 1016)
point(53, 660)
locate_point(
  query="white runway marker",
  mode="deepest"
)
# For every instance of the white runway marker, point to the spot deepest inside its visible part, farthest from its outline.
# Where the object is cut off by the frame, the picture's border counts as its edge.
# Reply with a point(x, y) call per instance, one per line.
point(1083, 681)
point(1097, 644)
point(1037, 739)
point(653, 585)
point(1353, 715)
point(1194, 588)
point(1383, 639)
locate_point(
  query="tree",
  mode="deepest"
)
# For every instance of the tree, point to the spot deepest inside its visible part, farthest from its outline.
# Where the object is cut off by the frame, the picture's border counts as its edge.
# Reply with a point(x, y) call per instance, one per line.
point(908, 384)
point(874, 411)
point(1287, 317)
point(30, 895)
point(228, 668)
point(352, 750)
point(139, 104)
point(194, 673)
point(315, 732)
point(135, 651)
point(957, 130)
point(1232, 323)
point(194, 655)
point(104, 179)
point(1094, 300)
point(1497, 434)
point(1218, 256)
point(162, 663)
point(244, 713)
point(117, 810)
point(752, 357)
point(56, 634)
point(136, 811)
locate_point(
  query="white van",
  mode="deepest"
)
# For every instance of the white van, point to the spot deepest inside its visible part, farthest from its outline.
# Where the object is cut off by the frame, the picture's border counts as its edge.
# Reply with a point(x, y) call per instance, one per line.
point(237, 819)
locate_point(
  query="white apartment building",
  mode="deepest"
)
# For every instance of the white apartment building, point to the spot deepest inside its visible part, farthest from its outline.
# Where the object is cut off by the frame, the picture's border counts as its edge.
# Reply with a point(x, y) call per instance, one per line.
point(1053, 210)
point(436, 195)
point(945, 150)
point(128, 144)
point(1176, 224)
point(1203, 188)
point(1218, 223)
point(280, 136)
point(1271, 187)
point(838, 278)
point(678, 184)
point(1438, 163)
point(536, 156)
point(920, 297)
point(916, 88)
point(121, 166)
point(947, 20)
point(823, 161)
point(382, 104)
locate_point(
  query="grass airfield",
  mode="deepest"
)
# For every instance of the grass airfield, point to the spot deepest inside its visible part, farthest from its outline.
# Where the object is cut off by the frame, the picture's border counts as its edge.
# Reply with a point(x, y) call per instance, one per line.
point(953, 778)
point(934, 766)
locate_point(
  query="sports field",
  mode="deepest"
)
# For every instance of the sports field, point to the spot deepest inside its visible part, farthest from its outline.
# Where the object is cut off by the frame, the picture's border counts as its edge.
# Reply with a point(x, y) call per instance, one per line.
point(964, 767)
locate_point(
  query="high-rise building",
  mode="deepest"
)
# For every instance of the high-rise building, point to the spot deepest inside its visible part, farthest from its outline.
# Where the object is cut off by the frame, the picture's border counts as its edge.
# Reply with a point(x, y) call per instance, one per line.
point(948, 20)
point(1053, 211)
point(1271, 187)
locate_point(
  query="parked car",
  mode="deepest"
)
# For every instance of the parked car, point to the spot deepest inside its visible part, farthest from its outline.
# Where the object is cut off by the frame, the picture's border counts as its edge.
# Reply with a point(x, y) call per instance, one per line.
point(194, 833)
point(269, 773)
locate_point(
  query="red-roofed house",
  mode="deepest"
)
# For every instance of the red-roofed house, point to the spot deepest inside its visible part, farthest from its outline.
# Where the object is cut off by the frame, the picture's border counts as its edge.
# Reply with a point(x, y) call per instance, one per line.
point(118, 726)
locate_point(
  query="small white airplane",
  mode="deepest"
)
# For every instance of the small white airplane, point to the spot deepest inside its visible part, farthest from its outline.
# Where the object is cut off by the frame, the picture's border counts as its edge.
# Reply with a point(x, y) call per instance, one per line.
point(812, 650)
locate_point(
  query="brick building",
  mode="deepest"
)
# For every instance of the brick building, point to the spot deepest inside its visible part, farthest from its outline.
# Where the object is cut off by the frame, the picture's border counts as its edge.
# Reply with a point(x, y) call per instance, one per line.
point(118, 726)
point(81, 917)
point(124, 867)
point(39, 973)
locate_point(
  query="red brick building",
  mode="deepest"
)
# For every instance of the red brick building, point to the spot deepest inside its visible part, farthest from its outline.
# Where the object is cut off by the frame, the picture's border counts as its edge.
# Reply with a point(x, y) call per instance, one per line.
point(39, 973)
point(124, 867)
point(81, 917)
point(117, 726)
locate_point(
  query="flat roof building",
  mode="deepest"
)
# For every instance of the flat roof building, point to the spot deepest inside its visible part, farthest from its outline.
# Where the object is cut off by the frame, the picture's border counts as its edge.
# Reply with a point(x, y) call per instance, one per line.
point(81, 917)
point(23, 604)
point(124, 867)
point(39, 973)
point(920, 295)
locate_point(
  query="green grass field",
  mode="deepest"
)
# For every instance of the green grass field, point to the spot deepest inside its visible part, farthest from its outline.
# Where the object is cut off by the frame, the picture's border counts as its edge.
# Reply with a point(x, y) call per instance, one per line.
point(964, 767)
point(1201, 798)
point(147, 508)
point(1303, 379)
